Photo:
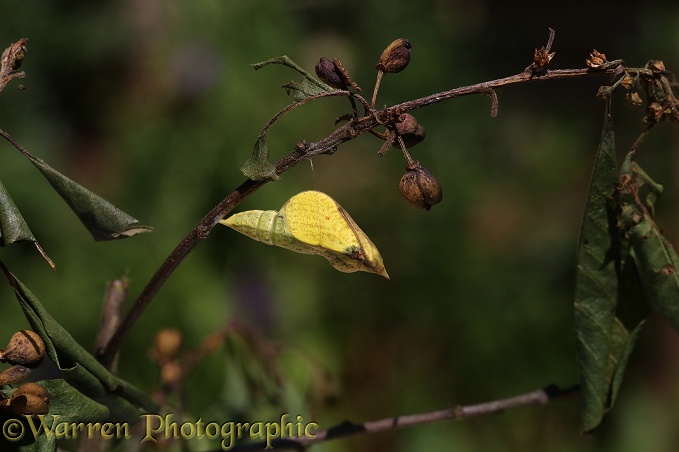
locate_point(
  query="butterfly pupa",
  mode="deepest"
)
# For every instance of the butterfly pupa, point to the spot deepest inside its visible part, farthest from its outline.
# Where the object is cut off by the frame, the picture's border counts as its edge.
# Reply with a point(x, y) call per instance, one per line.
point(312, 222)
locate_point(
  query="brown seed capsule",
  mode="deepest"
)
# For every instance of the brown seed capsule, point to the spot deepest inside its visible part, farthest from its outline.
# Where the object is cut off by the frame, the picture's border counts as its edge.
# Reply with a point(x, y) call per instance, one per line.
point(14, 375)
point(410, 130)
point(541, 59)
point(420, 188)
point(395, 57)
point(627, 82)
point(596, 59)
point(167, 345)
point(655, 111)
point(30, 398)
point(25, 348)
point(334, 74)
point(633, 99)
point(171, 372)
point(657, 66)
point(326, 71)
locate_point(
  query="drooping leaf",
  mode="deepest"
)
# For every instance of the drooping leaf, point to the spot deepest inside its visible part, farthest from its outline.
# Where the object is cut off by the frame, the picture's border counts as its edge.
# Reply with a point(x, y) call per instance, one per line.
point(630, 316)
point(306, 88)
point(622, 344)
point(13, 227)
point(104, 220)
point(596, 285)
point(80, 369)
point(309, 85)
point(658, 263)
point(72, 405)
point(258, 166)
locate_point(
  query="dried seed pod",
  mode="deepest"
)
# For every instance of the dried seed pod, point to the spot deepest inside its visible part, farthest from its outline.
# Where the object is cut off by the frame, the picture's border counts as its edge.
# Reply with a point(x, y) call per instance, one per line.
point(327, 71)
point(395, 57)
point(627, 82)
point(167, 345)
point(655, 111)
point(657, 66)
point(14, 375)
point(30, 398)
point(410, 130)
point(420, 188)
point(596, 59)
point(25, 347)
point(334, 74)
point(171, 372)
point(633, 99)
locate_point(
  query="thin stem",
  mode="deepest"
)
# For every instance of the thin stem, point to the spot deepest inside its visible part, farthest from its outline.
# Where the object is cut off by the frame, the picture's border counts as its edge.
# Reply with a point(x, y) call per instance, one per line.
point(291, 107)
point(195, 235)
point(484, 87)
point(302, 152)
point(114, 300)
point(380, 73)
point(550, 40)
point(540, 397)
point(410, 163)
point(16, 144)
point(640, 139)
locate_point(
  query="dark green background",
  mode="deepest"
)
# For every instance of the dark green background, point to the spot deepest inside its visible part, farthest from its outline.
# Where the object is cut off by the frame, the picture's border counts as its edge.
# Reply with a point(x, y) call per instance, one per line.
point(152, 105)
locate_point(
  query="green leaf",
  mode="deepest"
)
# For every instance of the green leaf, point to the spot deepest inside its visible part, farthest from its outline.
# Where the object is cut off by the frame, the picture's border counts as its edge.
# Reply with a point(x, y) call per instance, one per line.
point(306, 88)
point(258, 167)
point(70, 404)
point(13, 227)
point(658, 262)
point(622, 344)
point(309, 85)
point(104, 220)
point(596, 285)
point(80, 369)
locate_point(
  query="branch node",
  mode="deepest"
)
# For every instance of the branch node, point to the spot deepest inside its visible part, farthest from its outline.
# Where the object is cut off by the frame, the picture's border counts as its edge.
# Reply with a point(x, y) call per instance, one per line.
point(542, 57)
point(10, 62)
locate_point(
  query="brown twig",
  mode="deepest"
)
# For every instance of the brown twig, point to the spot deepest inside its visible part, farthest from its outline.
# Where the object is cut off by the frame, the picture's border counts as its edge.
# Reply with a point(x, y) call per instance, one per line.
point(306, 100)
point(540, 397)
point(114, 300)
point(327, 145)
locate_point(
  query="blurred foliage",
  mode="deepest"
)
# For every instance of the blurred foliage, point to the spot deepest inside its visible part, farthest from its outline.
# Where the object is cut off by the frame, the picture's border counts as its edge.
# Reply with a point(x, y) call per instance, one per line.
point(153, 106)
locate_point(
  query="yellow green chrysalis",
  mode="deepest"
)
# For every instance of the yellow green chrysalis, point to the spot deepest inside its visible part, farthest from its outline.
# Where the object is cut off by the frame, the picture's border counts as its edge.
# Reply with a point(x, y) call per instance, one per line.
point(312, 222)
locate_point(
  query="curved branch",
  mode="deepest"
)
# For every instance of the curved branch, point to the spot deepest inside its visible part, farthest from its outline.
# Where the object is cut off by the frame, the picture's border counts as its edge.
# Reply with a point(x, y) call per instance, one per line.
point(540, 397)
point(302, 152)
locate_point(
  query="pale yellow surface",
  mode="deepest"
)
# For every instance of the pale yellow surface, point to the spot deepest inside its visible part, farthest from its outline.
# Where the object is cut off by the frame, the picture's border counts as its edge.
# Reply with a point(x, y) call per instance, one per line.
point(315, 219)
